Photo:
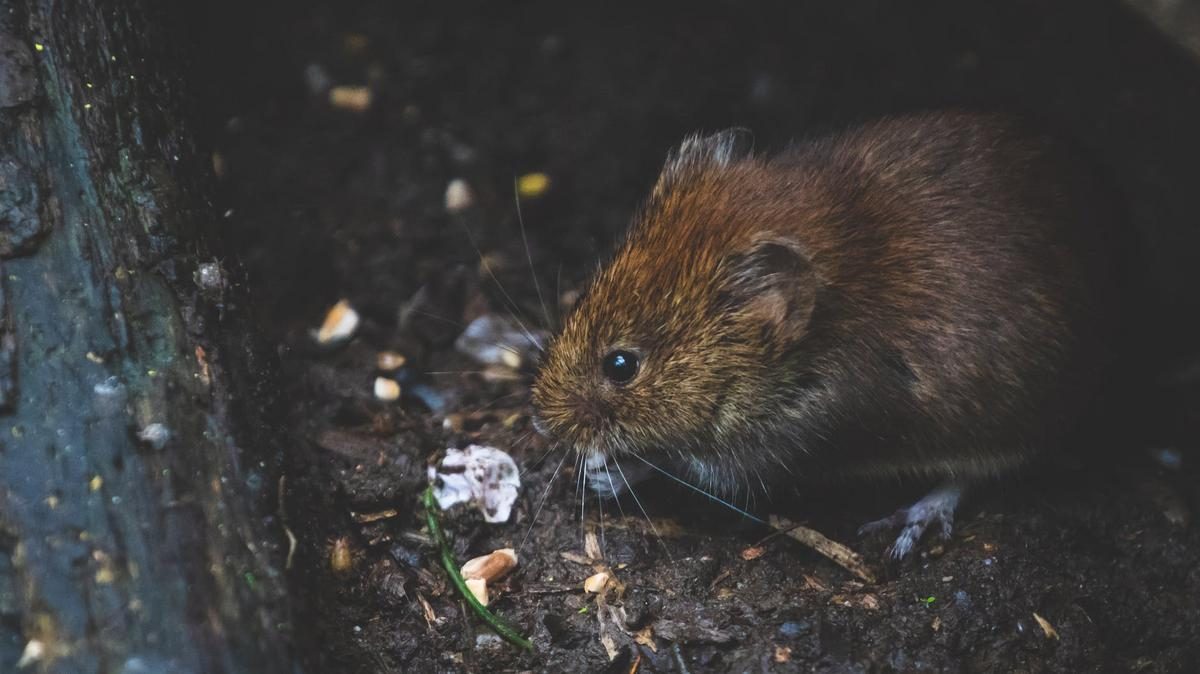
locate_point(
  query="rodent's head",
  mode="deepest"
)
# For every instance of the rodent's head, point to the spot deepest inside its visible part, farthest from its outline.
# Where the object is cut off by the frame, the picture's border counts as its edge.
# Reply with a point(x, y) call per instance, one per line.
point(677, 345)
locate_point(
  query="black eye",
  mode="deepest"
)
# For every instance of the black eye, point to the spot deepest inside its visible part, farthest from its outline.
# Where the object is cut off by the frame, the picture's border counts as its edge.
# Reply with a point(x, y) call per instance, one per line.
point(620, 366)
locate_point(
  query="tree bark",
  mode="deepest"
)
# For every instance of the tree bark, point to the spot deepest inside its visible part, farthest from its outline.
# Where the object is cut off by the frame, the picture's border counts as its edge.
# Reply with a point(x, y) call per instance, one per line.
point(137, 478)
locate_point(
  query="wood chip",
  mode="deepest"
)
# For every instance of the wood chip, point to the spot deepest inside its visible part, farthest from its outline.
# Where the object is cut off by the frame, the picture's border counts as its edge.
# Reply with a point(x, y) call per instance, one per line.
point(1047, 628)
point(364, 518)
point(831, 549)
point(492, 566)
point(591, 546)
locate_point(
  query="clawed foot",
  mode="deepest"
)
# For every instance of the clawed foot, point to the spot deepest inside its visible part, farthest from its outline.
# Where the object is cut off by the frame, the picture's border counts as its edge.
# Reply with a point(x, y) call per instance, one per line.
point(937, 507)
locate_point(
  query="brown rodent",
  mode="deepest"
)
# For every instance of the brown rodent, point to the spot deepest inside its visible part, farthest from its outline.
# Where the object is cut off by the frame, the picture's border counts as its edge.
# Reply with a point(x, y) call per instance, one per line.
point(919, 296)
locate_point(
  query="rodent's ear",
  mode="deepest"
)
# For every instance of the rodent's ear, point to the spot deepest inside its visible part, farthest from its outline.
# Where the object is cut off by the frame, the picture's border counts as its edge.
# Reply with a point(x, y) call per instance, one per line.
point(698, 152)
point(774, 280)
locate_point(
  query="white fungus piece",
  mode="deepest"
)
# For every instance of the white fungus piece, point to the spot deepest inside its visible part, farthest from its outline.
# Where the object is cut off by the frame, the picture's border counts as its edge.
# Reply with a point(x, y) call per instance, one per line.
point(340, 323)
point(493, 340)
point(483, 476)
point(459, 196)
point(387, 389)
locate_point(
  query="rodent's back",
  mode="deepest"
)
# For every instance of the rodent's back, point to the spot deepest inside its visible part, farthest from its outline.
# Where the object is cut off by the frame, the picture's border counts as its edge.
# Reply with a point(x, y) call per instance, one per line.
point(965, 263)
point(917, 295)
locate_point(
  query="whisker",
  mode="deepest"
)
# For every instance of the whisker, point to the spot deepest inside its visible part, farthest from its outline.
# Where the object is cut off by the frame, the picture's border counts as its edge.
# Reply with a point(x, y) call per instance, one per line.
point(528, 255)
point(545, 493)
point(600, 508)
point(510, 301)
point(458, 324)
point(613, 487)
point(541, 458)
point(639, 505)
point(698, 490)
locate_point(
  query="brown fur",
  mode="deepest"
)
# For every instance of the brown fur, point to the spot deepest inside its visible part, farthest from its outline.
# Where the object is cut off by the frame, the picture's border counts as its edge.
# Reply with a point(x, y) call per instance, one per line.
point(915, 296)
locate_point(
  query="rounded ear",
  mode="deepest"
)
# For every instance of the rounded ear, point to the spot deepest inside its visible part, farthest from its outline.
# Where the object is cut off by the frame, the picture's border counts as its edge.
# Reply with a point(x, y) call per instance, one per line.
point(774, 280)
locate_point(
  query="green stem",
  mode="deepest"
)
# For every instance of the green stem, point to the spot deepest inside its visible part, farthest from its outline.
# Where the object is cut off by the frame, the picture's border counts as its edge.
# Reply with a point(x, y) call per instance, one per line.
point(435, 529)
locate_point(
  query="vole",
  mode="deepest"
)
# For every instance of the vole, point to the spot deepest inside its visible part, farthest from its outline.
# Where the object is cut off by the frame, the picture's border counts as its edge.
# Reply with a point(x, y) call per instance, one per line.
point(922, 296)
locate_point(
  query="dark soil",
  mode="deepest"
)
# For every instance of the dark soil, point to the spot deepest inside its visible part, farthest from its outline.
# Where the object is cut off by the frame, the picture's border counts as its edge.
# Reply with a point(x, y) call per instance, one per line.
point(326, 203)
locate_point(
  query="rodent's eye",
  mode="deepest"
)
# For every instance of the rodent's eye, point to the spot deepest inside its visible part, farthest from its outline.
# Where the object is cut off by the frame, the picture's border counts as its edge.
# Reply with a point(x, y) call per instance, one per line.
point(620, 366)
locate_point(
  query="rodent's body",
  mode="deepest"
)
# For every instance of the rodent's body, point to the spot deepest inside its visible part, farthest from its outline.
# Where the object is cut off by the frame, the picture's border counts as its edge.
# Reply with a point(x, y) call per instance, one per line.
point(917, 296)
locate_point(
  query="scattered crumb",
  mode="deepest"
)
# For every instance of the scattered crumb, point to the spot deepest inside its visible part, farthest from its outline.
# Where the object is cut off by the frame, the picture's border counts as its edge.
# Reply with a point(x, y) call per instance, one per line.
point(459, 196)
point(387, 389)
point(389, 361)
point(340, 323)
point(356, 98)
point(533, 185)
point(478, 587)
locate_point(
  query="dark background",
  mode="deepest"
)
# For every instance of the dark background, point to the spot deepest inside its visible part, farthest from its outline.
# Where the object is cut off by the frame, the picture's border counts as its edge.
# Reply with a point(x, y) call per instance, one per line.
point(325, 203)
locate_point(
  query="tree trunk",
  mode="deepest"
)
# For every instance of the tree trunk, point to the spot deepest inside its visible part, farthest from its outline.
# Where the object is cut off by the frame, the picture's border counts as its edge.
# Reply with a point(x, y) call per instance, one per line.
point(137, 499)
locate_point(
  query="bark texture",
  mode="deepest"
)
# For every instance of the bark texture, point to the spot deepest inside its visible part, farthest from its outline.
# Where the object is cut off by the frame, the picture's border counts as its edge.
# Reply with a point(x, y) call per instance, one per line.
point(136, 501)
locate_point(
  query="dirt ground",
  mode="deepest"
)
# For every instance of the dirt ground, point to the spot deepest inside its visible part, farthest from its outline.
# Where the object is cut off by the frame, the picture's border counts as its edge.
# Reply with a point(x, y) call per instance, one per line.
point(326, 203)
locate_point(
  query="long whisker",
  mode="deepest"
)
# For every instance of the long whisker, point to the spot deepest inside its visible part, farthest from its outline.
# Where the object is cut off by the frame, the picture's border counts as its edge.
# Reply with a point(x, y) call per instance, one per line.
point(458, 324)
point(613, 487)
point(528, 255)
point(511, 302)
point(639, 505)
point(545, 493)
point(600, 508)
point(529, 466)
point(698, 490)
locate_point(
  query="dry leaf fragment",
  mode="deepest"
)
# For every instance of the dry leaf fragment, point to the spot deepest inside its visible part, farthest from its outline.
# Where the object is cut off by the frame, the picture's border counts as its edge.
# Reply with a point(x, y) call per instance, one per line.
point(591, 546)
point(1047, 628)
point(750, 554)
point(834, 551)
point(491, 566)
point(645, 637)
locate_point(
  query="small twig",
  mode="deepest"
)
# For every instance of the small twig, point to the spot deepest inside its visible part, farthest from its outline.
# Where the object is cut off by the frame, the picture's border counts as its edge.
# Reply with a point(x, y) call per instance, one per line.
point(435, 530)
point(834, 551)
